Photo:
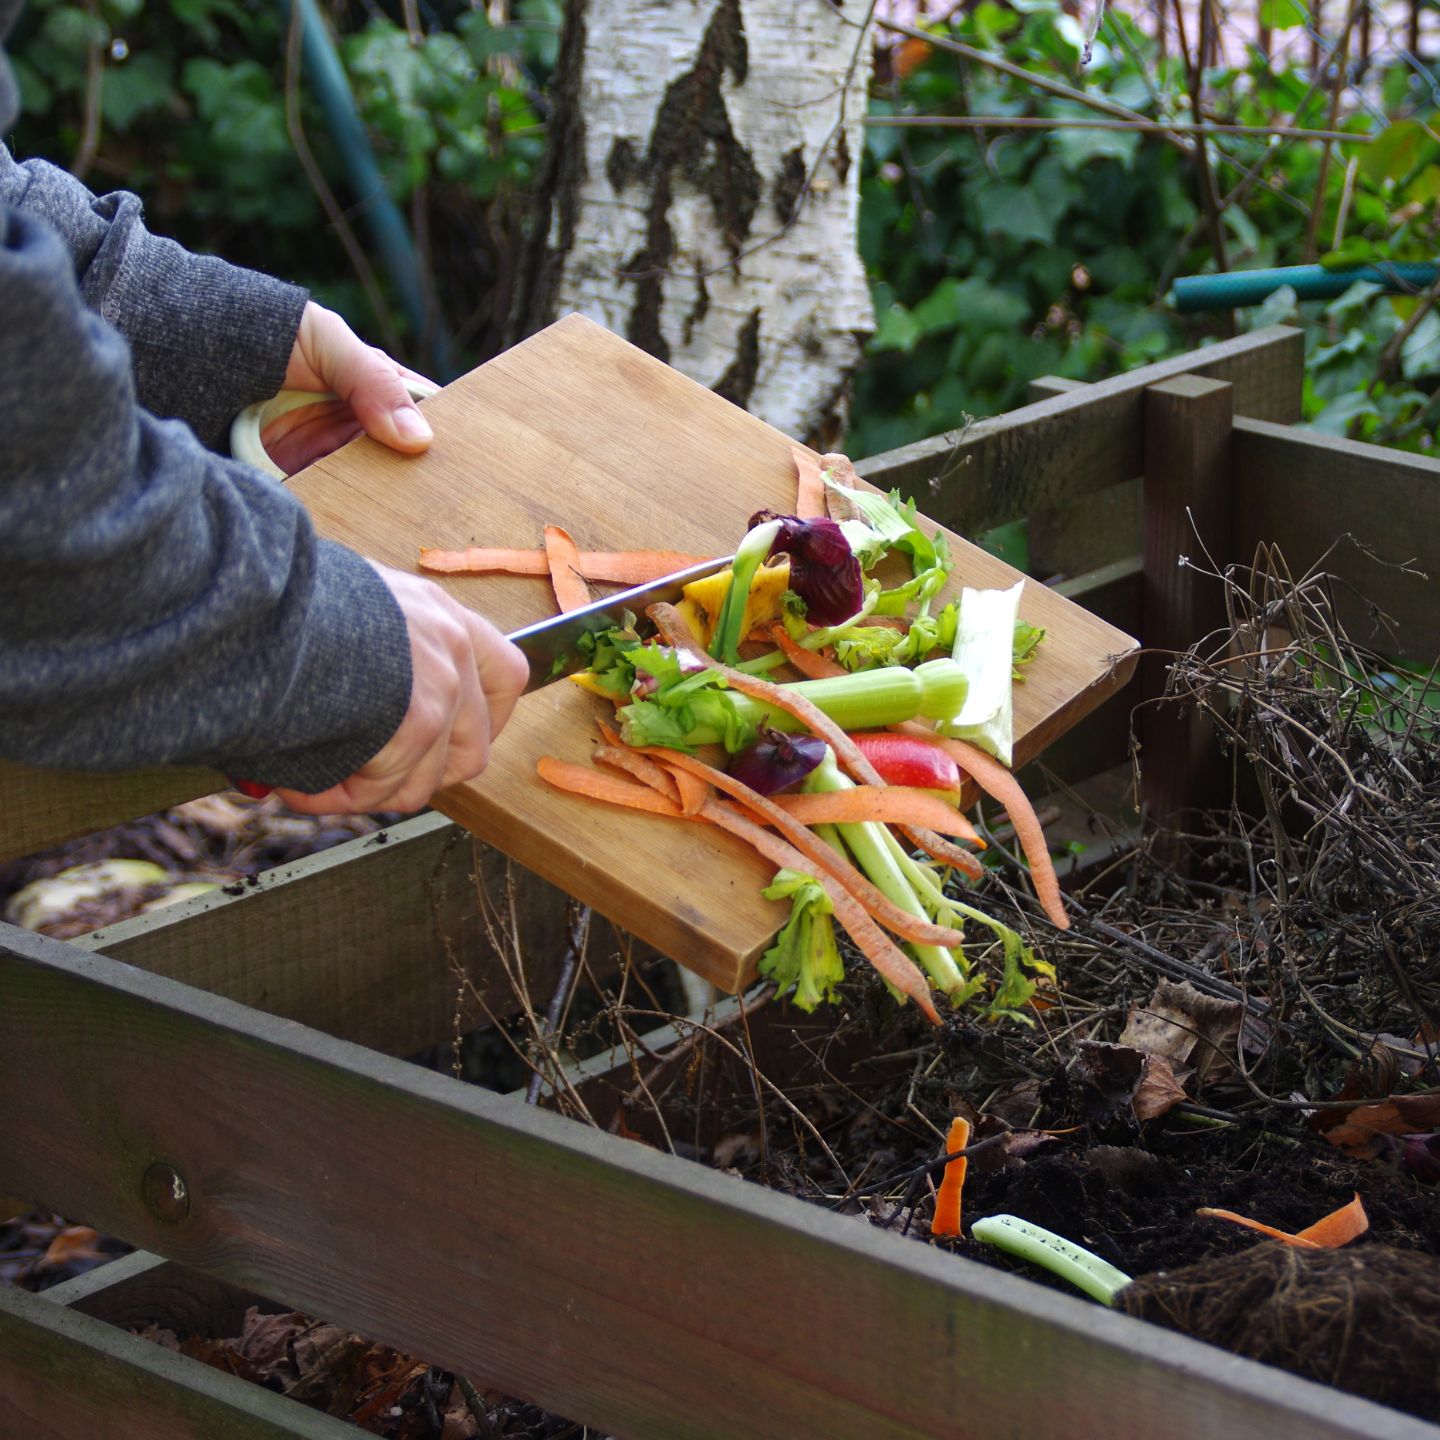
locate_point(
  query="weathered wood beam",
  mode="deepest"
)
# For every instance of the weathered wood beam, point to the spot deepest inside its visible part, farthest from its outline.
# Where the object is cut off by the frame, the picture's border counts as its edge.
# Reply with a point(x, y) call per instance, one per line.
point(363, 940)
point(1304, 491)
point(67, 1376)
point(41, 808)
point(504, 1242)
point(1188, 531)
point(1082, 441)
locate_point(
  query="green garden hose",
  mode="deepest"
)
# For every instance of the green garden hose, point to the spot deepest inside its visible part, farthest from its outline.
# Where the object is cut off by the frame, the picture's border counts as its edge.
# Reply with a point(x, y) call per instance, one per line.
point(1236, 288)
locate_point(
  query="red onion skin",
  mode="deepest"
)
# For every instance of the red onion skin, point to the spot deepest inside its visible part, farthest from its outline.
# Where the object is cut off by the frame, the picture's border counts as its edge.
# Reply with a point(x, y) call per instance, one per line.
point(777, 762)
point(824, 571)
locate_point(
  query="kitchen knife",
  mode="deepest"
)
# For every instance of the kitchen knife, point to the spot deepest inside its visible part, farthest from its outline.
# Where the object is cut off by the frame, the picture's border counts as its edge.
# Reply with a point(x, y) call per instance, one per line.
point(552, 646)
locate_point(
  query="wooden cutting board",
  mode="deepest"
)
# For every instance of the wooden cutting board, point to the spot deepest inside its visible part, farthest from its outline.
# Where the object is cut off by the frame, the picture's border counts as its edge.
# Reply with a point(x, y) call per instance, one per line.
point(577, 427)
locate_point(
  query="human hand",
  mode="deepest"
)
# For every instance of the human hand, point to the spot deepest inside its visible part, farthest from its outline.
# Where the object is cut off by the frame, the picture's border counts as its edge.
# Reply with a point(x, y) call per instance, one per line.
point(330, 357)
point(466, 678)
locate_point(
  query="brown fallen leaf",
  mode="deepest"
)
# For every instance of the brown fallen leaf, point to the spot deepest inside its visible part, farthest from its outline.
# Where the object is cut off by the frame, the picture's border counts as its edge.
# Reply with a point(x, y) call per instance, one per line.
point(1158, 1091)
point(1187, 1027)
point(1361, 1130)
point(74, 1243)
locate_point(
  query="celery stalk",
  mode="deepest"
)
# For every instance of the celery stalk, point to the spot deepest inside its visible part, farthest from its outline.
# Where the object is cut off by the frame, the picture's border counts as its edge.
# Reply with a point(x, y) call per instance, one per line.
point(868, 700)
point(1086, 1271)
point(866, 842)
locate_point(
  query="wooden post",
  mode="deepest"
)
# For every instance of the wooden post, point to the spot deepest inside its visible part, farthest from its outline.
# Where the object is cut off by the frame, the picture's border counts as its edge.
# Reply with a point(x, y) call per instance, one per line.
point(1188, 423)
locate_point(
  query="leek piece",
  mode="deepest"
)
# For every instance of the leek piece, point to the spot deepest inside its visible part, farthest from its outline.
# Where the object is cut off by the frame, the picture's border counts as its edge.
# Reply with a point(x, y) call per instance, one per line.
point(984, 648)
point(749, 556)
point(1085, 1270)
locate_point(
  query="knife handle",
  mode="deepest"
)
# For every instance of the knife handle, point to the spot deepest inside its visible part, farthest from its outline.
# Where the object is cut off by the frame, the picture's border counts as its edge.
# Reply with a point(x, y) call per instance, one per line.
point(252, 788)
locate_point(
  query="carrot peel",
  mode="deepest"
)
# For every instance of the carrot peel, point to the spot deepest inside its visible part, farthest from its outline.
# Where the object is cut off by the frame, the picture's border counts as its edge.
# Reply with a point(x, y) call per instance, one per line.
point(947, 1197)
point(1338, 1228)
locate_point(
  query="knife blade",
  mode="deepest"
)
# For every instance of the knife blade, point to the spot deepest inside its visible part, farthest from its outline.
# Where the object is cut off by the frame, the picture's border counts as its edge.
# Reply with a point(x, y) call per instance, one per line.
point(552, 646)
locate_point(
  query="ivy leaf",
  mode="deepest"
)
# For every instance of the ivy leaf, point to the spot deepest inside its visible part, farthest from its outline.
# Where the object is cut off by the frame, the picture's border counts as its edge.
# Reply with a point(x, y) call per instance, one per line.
point(897, 329)
point(142, 84)
point(1014, 212)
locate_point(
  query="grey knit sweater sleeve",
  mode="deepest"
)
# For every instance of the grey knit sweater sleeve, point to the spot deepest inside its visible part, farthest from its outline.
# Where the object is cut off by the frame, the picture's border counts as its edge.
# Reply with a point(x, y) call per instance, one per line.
point(159, 603)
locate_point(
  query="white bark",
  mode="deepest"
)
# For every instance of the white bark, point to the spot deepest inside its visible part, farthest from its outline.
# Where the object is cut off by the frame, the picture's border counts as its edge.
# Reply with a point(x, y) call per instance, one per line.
point(702, 121)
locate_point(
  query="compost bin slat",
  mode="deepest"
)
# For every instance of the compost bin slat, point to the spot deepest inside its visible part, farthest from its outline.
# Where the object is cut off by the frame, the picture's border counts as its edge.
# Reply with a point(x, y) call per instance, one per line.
point(1304, 490)
point(618, 1286)
point(40, 808)
point(1072, 444)
point(66, 1376)
point(358, 940)
point(143, 1289)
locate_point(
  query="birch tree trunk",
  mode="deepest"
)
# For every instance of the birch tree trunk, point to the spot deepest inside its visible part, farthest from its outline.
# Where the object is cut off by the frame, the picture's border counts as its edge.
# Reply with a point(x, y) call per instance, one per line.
point(701, 191)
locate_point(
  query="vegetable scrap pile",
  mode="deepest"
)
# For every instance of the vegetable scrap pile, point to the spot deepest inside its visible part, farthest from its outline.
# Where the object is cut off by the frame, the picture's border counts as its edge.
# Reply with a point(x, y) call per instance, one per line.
point(847, 780)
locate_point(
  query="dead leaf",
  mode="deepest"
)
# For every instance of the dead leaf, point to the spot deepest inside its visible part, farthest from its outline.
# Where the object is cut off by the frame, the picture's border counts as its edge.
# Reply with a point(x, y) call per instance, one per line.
point(74, 1243)
point(265, 1340)
point(1361, 1130)
point(1187, 1027)
point(1158, 1091)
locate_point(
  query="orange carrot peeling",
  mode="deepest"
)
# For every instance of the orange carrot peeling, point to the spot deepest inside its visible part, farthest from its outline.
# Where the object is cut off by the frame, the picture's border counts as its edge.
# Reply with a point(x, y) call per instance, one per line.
point(895, 804)
point(1000, 784)
point(877, 947)
point(947, 1197)
point(815, 851)
point(1337, 1228)
point(597, 785)
point(810, 491)
point(571, 591)
point(644, 769)
point(616, 567)
point(811, 665)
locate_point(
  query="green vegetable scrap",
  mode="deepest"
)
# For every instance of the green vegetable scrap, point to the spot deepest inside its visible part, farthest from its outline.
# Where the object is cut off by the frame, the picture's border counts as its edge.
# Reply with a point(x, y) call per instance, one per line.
point(804, 957)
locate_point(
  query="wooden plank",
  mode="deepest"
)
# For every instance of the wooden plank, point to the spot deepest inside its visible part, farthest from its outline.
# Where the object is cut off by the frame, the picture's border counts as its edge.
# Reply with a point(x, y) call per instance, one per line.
point(361, 940)
point(1303, 490)
point(1073, 536)
point(517, 1243)
point(40, 808)
point(576, 426)
point(1075, 443)
point(66, 1376)
point(142, 1289)
point(1187, 517)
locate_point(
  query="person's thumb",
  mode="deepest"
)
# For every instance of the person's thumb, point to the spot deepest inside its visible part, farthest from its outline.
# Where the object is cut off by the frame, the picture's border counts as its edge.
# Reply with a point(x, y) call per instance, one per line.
point(376, 392)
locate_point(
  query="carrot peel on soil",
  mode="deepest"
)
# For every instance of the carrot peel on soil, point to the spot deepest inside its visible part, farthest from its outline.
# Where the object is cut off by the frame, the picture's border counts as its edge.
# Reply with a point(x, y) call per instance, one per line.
point(1338, 1228)
point(571, 591)
point(947, 1197)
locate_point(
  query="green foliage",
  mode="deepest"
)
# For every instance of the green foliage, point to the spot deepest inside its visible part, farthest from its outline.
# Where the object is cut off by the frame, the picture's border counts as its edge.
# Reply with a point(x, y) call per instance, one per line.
point(999, 256)
point(193, 115)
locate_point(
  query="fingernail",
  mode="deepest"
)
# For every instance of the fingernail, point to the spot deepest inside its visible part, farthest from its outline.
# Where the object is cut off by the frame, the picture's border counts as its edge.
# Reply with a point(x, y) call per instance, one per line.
point(411, 424)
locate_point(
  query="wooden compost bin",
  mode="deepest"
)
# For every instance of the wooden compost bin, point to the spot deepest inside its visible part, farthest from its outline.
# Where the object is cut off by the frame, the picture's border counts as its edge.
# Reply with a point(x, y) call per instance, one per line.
point(217, 1084)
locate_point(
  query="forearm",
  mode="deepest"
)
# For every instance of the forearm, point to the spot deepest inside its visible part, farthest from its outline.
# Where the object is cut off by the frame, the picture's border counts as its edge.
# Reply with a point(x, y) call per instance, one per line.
point(206, 338)
point(162, 604)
